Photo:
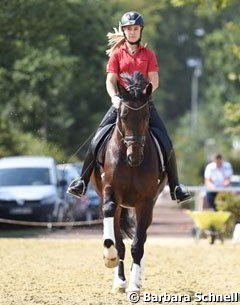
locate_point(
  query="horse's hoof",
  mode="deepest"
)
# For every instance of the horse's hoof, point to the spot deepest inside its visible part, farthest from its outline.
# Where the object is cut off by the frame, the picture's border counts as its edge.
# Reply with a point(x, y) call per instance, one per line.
point(133, 288)
point(119, 286)
point(110, 256)
point(119, 290)
point(111, 263)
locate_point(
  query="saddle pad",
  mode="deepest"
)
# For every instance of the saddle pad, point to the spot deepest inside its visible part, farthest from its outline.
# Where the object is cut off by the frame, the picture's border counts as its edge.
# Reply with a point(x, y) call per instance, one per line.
point(102, 148)
point(159, 151)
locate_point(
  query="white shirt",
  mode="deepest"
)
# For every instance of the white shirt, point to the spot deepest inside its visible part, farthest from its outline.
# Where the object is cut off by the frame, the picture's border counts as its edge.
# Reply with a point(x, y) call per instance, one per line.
point(218, 174)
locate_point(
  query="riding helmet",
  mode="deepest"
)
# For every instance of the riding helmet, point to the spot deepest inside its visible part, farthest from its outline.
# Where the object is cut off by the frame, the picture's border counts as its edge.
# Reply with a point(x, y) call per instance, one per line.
point(132, 18)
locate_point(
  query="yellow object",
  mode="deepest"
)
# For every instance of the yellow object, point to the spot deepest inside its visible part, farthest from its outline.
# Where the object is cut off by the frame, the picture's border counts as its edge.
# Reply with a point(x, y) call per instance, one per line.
point(206, 219)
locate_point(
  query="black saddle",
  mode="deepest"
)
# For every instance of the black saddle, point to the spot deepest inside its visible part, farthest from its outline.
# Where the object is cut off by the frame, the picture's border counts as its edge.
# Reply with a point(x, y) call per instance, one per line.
point(99, 142)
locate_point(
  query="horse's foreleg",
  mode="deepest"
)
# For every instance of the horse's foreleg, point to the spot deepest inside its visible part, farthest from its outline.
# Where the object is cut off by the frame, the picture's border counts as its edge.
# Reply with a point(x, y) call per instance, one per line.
point(135, 281)
point(144, 218)
point(119, 281)
point(110, 254)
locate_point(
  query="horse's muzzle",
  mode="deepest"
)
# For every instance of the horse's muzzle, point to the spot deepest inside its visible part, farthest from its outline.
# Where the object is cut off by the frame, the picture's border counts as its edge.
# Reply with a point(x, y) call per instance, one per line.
point(135, 146)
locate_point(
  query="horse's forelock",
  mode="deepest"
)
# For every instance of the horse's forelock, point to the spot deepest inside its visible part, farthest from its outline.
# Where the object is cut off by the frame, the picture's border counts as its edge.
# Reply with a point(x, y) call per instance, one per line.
point(136, 83)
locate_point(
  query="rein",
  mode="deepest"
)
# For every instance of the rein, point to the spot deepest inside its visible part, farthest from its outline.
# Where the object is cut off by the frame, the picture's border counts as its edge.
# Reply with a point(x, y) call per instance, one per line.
point(135, 109)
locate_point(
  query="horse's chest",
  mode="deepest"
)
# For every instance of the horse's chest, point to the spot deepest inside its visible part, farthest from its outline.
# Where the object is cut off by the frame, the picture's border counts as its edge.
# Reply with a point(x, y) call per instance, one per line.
point(133, 189)
point(131, 185)
point(130, 180)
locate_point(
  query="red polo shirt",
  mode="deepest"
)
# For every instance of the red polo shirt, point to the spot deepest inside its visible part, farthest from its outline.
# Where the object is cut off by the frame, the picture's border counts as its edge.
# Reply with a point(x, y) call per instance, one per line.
point(121, 61)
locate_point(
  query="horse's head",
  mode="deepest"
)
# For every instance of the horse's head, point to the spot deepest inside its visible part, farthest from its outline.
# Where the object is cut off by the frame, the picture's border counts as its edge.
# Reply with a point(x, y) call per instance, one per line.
point(133, 116)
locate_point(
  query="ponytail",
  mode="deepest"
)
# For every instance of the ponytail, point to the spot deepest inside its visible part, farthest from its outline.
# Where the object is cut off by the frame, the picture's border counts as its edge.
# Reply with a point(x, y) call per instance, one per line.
point(115, 40)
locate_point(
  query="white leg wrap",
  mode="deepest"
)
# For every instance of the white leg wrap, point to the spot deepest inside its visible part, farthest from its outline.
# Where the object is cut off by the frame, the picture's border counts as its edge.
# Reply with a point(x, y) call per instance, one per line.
point(118, 283)
point(108, 229)
point(135, 278)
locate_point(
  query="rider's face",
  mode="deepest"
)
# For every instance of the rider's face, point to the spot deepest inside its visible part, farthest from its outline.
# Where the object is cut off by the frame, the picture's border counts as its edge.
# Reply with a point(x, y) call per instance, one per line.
point(132, 32)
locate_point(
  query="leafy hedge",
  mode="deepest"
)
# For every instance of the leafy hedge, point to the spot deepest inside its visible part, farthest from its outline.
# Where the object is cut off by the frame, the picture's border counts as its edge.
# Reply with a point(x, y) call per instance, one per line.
point(15, 142)
point(229, 202)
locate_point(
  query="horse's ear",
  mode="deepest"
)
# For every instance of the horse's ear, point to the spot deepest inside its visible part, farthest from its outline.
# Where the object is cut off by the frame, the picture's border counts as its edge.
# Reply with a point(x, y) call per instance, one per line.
point(149, 89)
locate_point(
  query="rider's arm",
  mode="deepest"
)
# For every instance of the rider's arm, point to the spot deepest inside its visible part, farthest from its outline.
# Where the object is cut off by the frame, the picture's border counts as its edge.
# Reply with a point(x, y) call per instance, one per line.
point(209, 183)
point(111, 84)
point(227, 181)
point(153, 79)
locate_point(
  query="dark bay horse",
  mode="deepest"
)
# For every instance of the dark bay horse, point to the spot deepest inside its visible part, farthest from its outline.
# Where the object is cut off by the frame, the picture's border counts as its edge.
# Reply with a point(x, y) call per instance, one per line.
point(130, 180)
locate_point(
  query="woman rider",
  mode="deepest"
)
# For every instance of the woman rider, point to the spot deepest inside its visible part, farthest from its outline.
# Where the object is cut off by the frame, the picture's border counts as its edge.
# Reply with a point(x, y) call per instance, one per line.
point(128, 55)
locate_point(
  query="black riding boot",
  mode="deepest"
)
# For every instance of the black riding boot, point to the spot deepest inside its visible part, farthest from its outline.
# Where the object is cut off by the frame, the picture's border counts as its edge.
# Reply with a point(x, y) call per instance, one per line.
point(78, 187)
point(160, 131)
point(176, 191)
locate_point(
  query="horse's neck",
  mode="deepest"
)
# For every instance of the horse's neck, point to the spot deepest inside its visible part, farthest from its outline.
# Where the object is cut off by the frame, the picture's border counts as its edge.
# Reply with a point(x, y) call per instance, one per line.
point(117, 137)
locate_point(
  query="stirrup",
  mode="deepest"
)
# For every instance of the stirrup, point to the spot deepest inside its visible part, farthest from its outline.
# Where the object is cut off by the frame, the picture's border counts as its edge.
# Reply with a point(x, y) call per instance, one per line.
point(76, 193)
point(184, 190)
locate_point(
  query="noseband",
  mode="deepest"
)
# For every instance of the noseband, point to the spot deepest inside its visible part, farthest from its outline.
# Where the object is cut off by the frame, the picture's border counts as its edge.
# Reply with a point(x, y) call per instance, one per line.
point(130, 140)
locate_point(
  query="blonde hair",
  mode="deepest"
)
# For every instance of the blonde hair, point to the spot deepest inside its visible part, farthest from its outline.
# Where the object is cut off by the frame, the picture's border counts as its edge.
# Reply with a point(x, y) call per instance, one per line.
point(115, 40)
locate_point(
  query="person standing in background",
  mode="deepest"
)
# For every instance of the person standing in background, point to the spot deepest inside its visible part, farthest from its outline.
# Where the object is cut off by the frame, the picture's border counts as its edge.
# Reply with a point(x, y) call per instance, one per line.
point(217, 174)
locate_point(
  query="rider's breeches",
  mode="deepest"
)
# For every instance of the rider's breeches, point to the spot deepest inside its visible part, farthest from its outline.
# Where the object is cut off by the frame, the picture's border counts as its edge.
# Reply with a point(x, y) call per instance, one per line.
point(109, 118)
point(154, 122)
point(160, 132)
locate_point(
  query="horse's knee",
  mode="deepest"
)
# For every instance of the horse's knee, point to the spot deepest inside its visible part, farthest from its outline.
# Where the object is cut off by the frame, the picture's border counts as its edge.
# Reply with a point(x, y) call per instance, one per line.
point(109, 209)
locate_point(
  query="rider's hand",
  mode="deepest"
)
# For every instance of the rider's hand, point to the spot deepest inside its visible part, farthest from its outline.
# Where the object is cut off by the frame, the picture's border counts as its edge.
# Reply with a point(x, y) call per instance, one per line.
point(116, 101)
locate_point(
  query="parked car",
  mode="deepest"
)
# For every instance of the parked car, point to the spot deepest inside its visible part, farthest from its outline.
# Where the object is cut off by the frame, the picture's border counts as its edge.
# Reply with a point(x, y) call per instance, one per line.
point(77, 208)
point(93, 203)
point(235, 180)
point(29, 187)
point(91, 198)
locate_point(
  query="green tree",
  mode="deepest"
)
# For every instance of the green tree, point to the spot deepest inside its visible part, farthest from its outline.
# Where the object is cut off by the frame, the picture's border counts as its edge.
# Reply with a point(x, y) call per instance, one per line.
point(219, 85)
point(52, 66)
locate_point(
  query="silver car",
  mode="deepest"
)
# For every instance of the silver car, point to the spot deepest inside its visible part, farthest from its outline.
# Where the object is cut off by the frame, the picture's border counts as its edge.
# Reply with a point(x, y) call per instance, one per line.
point(29, 188)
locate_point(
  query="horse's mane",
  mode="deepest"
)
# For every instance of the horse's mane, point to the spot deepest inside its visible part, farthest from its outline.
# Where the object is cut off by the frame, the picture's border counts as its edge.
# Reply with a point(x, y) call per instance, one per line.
point(136, 83)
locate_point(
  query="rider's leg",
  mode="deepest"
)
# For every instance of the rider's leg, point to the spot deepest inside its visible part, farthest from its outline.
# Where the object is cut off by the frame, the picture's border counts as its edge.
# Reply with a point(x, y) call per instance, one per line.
point(78, 186)
point(211, 200)
point(176, 191)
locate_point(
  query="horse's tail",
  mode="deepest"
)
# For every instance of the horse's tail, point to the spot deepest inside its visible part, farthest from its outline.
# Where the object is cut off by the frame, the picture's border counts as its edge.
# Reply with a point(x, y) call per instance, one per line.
point(127, 223)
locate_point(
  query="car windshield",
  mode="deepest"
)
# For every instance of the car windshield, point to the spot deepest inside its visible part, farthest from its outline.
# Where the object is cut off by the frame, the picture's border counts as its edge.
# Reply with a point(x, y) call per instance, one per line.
point(24, 176)
point(69, 173)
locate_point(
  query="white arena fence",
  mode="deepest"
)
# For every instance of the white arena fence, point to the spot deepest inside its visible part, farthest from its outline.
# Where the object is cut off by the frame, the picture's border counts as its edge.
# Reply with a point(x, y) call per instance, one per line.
point(200, 190)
